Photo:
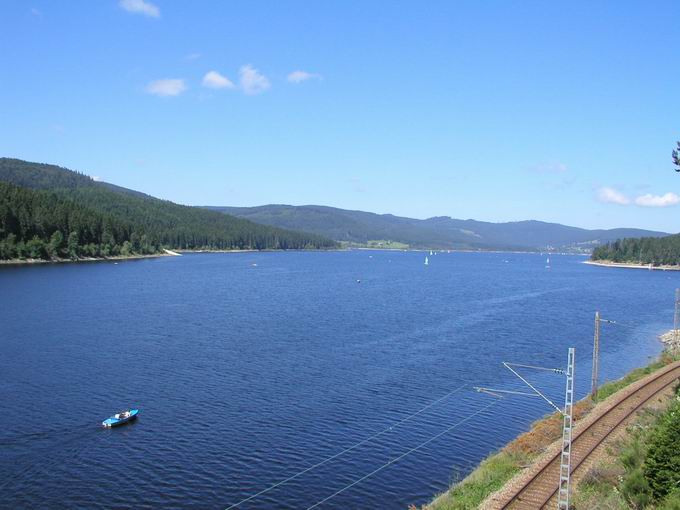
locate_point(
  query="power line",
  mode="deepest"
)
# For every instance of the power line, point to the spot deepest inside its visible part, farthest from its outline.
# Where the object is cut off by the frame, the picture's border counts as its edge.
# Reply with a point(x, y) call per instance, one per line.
point(346, 450)
point(408, 452)
point(555, 370)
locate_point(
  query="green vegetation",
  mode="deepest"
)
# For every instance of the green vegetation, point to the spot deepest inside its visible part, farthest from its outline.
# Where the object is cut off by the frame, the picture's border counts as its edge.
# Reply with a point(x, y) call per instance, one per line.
point(662, 251)
point(644, 470)
point(612, 387)
point(379, 244)
point(500, 467)
point(662, 465)
point(38, 224)
point(490, 476)
point(48, 212)
point(386, 245)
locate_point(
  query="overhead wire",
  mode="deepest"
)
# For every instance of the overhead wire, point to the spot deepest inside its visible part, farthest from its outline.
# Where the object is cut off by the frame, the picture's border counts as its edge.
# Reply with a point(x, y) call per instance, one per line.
point(346, 450)
point(408, 452)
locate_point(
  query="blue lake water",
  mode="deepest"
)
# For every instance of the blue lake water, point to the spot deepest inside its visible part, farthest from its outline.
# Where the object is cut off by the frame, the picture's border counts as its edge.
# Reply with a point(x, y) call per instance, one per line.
point(247, 374)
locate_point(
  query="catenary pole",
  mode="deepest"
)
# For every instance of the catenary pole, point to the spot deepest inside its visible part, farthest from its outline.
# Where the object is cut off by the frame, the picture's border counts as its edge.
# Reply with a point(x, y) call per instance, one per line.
point(596, 357)
point(565, 460)
point(676, 319)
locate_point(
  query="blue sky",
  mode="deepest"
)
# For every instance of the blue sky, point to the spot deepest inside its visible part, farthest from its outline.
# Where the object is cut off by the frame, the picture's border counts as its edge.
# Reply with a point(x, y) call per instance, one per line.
point(496, 111)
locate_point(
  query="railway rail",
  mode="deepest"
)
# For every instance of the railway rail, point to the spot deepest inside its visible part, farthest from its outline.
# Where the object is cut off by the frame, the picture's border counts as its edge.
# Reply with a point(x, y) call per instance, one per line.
point(540, 489)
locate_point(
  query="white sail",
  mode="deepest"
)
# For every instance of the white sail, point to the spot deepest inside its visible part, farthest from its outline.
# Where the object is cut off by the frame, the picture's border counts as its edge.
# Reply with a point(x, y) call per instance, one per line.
point(427, 262)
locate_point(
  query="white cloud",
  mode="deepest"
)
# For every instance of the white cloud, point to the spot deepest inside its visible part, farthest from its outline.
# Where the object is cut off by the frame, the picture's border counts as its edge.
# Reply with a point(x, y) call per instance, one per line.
point(192, 56)
point(649, 200)
point(35, 12)
point(140, 7)
point(96, 178)
point(612, 196)
point(167, 87)
point(252, 81)
point(215, 80)
point(300, 76)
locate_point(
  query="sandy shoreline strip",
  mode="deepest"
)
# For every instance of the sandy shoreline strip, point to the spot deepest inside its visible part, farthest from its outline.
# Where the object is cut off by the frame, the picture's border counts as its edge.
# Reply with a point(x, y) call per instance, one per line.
point(628, 265)
point(23, 262)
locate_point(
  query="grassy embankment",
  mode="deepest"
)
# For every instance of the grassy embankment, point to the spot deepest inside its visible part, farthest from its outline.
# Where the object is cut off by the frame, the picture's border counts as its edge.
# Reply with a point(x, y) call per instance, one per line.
point(500, 467)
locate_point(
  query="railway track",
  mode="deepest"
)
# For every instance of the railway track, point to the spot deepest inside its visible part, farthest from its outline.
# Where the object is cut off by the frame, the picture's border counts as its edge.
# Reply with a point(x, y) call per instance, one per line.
point(541, 488)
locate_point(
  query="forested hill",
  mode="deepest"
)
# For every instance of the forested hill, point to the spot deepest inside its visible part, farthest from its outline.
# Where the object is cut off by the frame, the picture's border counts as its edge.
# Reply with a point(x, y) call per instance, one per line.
point(663, 251)
point(439, 232)
point(51, 212)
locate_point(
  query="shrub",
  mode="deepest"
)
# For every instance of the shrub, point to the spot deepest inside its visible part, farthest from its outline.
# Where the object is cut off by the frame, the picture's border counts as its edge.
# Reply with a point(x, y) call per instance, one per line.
point(662, 467)
point(636, 490)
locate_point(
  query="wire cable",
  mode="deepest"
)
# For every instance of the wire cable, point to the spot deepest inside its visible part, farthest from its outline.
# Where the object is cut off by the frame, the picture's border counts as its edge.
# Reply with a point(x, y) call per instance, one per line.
point(408, 452)
point(346, 450)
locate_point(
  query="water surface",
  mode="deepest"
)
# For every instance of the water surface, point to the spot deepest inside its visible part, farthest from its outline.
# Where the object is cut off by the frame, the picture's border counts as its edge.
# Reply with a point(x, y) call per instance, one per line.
point(251, 367)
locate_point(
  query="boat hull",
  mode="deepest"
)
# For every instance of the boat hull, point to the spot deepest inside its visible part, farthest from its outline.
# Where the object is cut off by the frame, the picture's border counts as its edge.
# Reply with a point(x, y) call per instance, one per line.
point(117, 422)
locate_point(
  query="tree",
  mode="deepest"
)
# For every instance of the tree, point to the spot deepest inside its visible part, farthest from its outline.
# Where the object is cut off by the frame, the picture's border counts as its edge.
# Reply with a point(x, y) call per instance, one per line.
point(8, 248)
point(676, 158)
point(126, 250)
point(36, 248)
point(72, 243)
point(55, 245)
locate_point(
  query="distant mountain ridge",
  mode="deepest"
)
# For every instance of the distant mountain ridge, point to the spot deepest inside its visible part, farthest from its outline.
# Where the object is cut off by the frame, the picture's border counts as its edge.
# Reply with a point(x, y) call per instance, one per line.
point(439, 232)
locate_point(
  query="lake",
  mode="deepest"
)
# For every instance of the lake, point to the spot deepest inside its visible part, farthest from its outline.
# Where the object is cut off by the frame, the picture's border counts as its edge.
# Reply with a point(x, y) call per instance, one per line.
point(251, 367)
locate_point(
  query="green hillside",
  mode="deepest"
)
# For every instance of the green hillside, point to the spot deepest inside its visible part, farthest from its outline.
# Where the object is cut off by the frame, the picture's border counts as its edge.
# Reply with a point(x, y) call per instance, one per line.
point(40, 204)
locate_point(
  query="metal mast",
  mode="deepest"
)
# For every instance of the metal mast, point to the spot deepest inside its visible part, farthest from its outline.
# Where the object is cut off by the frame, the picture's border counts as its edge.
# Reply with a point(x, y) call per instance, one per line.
point(565, 461)
point(596, 357)
point(676, 319)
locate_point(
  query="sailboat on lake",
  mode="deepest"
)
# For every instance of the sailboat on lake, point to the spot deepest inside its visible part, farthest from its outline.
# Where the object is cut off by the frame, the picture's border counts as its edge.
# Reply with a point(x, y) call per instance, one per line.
point(427, 262)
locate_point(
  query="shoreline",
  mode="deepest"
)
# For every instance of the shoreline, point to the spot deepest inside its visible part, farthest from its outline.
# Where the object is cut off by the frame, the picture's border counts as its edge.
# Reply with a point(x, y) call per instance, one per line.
point(34, 262)
point(165, 253)
point(630, 265)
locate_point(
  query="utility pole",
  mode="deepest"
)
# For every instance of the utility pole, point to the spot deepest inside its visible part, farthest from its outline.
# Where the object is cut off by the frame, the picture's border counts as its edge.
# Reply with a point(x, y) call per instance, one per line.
point(676, 319)
point(565, 460)
point(596, 357)
point(596, 354)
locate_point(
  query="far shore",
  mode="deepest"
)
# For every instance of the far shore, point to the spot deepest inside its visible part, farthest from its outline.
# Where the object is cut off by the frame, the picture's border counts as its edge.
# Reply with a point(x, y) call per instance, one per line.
point(630, 265)
point(166, 253)
point(178, 253)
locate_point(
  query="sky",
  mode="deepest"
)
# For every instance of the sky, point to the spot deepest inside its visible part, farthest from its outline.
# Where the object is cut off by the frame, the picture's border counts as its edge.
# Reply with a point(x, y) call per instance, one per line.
point(495, 110)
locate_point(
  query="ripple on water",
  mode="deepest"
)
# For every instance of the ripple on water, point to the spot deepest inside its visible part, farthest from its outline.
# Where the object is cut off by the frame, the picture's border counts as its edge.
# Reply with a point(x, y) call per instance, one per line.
point(246, 376)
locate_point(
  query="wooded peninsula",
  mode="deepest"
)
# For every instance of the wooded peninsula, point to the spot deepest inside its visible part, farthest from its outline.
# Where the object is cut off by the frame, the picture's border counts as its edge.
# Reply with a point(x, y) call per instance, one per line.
point(660, 251)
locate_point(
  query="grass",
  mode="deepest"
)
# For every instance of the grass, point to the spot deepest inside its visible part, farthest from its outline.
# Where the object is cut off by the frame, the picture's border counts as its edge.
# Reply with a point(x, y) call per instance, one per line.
point(490, 476)
point(379, 244)
point(387, 245)
point(500, 467)
point(612, 387)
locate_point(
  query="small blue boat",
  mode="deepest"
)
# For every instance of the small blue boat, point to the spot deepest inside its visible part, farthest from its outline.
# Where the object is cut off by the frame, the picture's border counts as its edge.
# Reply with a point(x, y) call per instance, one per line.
point(121, 418)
